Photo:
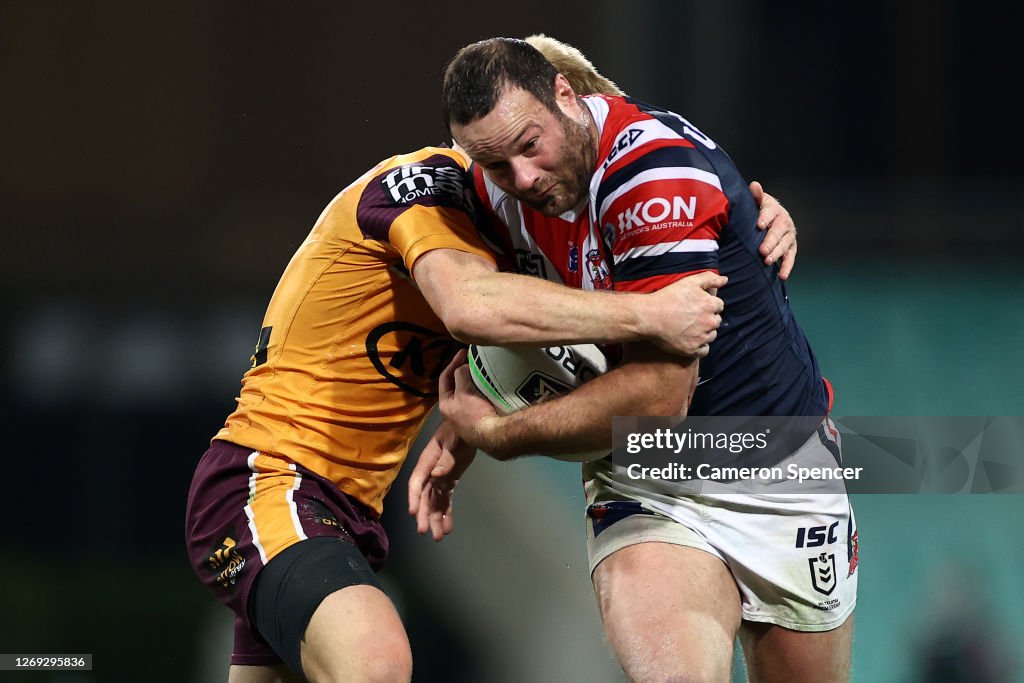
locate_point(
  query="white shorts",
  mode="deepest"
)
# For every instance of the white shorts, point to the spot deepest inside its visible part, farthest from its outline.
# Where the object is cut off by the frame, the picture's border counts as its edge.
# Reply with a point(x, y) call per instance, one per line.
point(793, 555)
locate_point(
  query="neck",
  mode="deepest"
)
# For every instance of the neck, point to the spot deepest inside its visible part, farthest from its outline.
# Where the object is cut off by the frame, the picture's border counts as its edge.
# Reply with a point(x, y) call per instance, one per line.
point(587, 119)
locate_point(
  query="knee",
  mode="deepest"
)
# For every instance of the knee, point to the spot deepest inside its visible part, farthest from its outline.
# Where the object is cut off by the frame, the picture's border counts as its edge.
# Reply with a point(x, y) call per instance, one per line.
point(678, 675)
point(690, 677)
point(380, 660)
point(389, 663)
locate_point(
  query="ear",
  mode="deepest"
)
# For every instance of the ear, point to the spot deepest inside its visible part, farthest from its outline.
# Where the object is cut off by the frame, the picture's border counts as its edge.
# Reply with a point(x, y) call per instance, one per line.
point(565, 97)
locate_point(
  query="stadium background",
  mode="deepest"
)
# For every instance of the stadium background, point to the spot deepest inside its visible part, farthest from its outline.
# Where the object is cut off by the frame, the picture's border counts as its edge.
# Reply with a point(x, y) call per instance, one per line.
point(161, 162)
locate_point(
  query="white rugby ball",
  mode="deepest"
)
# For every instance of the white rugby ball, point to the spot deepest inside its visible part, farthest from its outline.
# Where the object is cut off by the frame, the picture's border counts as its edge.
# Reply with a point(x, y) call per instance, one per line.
point(514, 378)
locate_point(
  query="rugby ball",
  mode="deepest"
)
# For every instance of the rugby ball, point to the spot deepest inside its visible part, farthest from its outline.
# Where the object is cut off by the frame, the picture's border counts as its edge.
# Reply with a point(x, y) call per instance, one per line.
point(514, 378)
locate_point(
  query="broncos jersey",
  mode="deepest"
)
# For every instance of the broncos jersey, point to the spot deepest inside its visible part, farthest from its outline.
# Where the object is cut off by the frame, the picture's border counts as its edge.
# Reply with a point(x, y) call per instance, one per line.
point(346, 366)
point(665, 202)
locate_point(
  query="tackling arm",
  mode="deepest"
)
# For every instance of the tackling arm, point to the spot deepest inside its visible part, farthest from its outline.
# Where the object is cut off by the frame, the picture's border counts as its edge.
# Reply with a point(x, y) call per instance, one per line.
point(480, 305)
point(649, 382)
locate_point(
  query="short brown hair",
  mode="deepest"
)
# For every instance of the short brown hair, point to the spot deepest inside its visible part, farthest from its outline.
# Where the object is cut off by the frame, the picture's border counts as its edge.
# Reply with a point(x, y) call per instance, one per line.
point(478, 74)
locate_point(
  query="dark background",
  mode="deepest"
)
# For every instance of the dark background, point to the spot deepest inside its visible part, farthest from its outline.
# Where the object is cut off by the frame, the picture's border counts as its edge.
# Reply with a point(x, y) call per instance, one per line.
point(159, 163)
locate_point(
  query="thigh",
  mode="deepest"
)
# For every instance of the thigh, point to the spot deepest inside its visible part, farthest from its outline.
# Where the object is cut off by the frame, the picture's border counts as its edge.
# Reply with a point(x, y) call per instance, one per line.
point(322, 610)
point(671, 612)
point(778, 655)
point(262, 674)
point(250, 516)
point(356, 634)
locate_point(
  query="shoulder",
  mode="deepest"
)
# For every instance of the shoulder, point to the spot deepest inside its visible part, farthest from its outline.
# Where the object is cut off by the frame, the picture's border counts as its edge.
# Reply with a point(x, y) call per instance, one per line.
point(432, 177)
point(640, 143)
point(428, 172)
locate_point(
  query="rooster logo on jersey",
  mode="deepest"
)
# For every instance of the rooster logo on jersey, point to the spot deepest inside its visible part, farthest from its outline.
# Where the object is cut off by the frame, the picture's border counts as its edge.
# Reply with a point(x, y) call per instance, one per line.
point(597, 270)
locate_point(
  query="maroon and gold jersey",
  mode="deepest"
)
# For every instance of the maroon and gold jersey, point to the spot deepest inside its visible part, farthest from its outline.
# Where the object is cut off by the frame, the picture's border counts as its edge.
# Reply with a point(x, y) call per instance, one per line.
point(346, 366)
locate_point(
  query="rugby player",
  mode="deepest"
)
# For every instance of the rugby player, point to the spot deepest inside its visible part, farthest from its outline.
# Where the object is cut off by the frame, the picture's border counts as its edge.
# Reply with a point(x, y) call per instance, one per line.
point(645, 199)
point(283, 512)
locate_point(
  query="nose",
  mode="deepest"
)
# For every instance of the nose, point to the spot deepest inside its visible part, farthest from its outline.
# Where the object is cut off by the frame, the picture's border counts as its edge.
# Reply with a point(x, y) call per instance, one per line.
point(524, 174)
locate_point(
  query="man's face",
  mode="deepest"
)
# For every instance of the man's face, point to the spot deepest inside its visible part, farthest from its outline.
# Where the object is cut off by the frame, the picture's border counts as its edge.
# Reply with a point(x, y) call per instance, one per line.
point(543, 158)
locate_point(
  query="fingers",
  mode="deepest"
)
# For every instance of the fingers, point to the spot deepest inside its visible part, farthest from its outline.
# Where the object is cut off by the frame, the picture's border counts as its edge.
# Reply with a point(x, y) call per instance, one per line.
point(788, 260)
point(436, 517)
point(440, 518)
point(708, 280)
point(430, 492)
point(774, 218)
point(434, 511)
point(779, 246)
point(758, 192)
point(780, 241)
point(435, 461)
point(463, 380)
point(447, 521)
point(446, 382)
point(768, 207)
point(423, 512)
point(418, 478)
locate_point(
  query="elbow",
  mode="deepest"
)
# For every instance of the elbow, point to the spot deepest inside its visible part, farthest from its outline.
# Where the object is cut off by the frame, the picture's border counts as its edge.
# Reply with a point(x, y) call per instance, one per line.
point(667, 407)
point(464, 325)
point(665, 403)
point(474, 324)
point(673, 391)
point(502, 455)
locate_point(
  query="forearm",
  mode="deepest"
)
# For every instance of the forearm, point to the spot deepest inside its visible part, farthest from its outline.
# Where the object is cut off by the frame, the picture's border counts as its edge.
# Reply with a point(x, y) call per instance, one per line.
point(505, 309)
point(582, 420)
point(479, 305)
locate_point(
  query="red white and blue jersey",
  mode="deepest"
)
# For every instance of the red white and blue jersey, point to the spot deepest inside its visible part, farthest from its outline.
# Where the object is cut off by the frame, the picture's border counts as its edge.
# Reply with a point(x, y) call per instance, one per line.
point(666, 202)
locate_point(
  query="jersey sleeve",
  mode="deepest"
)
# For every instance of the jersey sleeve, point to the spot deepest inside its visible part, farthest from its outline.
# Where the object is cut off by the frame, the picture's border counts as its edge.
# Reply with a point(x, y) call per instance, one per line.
point(662, 214)
point(420, 206)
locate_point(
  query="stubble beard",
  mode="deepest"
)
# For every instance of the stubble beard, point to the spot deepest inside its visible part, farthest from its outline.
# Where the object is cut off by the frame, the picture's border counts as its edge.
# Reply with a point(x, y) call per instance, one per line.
point(579, 152)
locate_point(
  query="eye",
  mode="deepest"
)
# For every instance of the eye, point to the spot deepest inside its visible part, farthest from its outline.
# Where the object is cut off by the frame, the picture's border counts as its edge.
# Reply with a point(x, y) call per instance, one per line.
point(496, 165)
point(531, 145)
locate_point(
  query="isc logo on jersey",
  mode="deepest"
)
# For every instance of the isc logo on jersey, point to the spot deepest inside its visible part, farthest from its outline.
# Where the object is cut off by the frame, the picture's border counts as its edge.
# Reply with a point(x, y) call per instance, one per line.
point(624, 142)
point(658, 213)
point(409, 183)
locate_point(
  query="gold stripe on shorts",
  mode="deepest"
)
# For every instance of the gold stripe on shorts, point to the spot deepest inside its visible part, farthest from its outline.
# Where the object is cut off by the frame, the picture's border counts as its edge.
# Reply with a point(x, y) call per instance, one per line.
point(273, 518)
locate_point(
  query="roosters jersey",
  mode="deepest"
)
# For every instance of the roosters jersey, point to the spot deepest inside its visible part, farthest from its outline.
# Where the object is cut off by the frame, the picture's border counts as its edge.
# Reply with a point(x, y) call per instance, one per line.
point(665, 202)
point(346, 366)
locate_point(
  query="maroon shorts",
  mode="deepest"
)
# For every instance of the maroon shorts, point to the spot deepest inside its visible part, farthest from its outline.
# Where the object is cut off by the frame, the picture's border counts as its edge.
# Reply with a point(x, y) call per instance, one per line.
point(246, 507)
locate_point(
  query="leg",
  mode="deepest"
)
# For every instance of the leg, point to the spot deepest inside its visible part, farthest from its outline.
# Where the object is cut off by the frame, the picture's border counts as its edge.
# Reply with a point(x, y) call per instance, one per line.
point(671, 612)
point(262, 674)
point(320, 607)
point(356, 635)
point(776, 654)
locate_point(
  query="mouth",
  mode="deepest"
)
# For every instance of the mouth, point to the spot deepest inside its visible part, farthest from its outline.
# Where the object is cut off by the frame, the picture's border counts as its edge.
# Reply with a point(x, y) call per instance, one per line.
point(549, 192)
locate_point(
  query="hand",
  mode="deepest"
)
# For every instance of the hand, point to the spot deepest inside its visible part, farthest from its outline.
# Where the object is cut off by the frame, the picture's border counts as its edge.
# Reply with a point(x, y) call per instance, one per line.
point(433, 480)
point(471, 415)
point(688, 313)
point(780, 240)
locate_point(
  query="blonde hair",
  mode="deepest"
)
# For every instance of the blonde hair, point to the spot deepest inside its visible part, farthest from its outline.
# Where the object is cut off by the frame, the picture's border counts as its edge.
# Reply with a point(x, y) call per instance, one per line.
point(571, 63)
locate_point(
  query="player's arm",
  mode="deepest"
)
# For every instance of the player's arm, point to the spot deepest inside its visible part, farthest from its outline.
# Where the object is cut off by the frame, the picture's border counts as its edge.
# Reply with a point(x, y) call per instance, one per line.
point(480, 305)
point(649, 382)
point(432, 483)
